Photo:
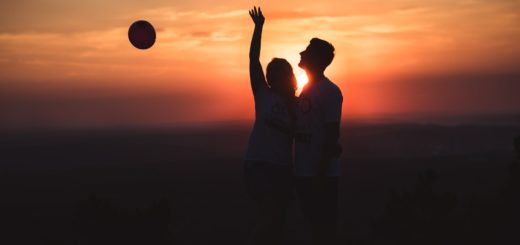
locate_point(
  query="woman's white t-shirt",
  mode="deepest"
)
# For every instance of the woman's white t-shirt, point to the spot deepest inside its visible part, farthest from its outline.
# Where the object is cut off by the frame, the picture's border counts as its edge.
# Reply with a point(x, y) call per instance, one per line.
point(271, 140)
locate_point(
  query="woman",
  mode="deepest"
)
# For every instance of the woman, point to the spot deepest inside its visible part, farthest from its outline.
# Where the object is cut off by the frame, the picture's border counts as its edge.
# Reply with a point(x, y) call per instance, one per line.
point(269, 156)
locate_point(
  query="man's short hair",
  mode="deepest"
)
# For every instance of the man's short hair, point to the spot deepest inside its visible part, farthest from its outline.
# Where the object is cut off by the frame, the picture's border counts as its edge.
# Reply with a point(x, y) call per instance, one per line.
point(323, 51)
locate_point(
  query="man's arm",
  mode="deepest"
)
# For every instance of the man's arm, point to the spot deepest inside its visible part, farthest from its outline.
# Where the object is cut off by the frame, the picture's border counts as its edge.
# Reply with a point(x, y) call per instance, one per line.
point(330, 148)
point(256, 73)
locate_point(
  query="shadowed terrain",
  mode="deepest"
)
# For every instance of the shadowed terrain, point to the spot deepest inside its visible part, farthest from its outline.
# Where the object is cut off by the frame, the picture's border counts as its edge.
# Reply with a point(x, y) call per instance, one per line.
point(185, 185)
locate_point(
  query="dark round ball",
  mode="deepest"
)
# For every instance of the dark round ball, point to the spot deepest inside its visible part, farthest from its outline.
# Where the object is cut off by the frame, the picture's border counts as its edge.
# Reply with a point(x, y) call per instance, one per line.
point(141, 34)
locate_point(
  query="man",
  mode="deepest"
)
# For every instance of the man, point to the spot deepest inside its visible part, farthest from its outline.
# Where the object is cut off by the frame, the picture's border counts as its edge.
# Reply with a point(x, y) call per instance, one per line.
point(316, 144)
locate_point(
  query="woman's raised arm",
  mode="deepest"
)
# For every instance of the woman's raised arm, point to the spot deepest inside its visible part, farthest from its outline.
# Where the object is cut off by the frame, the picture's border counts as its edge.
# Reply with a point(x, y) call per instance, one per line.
point(256, 73)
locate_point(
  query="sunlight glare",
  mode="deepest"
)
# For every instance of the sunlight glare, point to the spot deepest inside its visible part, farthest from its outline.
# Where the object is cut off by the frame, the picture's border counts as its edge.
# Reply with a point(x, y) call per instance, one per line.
point(301, 80)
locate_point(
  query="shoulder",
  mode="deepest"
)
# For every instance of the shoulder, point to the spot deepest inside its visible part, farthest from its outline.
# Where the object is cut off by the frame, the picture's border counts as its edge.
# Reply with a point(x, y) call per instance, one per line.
point(262, 93)
point(331, 89)
point(331, 86)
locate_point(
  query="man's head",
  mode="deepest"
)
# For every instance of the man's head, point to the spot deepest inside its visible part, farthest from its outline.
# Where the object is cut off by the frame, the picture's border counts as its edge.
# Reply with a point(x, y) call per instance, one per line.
point(317, 56)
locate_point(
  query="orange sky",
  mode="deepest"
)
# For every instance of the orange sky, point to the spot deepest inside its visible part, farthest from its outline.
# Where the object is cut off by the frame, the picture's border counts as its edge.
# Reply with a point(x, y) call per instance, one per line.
point(69, 63)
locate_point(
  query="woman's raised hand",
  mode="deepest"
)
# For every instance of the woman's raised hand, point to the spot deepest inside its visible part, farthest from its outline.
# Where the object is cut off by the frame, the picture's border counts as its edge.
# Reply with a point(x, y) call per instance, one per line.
point(257, 16)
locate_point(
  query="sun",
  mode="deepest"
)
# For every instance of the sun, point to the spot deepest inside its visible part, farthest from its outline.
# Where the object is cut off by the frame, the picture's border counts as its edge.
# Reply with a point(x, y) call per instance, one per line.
point(301, 80)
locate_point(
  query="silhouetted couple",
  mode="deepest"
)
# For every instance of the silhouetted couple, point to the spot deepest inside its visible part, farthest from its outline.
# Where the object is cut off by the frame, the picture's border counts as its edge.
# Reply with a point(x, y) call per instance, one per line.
point(306, 127)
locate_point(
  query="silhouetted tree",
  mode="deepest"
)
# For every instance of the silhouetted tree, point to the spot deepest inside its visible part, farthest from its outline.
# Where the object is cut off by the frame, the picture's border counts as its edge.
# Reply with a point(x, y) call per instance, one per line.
point(420, 216)
point(495, 219)
point(98, 221)
point(514, 181)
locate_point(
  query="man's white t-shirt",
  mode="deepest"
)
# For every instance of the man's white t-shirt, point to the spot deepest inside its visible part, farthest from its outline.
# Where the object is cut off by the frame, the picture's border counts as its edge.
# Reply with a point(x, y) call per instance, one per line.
point(272, 137)
point(319, 104)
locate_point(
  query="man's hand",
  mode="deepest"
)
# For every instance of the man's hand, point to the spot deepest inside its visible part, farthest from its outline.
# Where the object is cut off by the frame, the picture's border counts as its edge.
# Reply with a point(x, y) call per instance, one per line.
point(257, 16)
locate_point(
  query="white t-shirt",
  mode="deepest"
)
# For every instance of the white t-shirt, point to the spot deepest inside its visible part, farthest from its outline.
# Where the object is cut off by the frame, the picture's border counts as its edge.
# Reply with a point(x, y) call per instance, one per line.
point(272, 137)
point(319, 104)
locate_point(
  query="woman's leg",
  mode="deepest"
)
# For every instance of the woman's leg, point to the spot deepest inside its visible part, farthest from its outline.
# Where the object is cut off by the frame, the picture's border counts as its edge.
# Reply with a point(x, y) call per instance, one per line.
point(268, 186)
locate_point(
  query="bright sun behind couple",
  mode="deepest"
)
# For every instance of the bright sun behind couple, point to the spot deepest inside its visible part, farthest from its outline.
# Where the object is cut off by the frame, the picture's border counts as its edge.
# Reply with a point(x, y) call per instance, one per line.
point(301, 80)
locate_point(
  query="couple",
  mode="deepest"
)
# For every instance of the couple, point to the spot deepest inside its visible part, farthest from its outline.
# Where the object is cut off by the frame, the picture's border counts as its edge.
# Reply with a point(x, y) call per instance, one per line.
point(310, 124)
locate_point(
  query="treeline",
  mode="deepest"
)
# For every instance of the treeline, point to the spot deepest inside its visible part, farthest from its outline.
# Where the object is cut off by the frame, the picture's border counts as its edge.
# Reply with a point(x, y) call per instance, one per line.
point(425, 216)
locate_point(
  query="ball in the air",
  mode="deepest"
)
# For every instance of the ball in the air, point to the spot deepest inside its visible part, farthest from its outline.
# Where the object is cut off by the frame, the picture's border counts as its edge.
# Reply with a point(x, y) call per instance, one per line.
point(141, 34)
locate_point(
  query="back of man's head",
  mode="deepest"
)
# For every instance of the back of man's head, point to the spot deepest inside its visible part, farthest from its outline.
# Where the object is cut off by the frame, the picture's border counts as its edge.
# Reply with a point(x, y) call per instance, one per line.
point(322, 52)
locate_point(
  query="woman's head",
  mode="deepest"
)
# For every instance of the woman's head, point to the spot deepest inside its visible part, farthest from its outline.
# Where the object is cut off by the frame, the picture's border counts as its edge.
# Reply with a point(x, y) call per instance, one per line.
point(280, 77)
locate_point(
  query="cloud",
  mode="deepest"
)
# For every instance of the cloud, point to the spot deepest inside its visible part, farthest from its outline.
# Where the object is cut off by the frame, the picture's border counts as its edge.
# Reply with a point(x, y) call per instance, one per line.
point(72, 46)
point(40, 106)
point(440, 94)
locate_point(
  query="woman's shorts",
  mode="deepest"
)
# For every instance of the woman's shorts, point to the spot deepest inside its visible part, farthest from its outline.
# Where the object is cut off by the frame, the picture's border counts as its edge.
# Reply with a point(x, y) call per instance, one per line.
point(266, 180)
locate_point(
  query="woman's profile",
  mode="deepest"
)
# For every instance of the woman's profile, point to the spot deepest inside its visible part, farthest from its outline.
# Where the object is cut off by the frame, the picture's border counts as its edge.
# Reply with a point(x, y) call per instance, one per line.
point(268, 161)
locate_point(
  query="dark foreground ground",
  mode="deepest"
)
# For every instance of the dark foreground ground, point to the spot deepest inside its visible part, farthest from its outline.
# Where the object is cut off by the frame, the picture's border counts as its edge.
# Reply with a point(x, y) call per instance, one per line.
point(401, 184)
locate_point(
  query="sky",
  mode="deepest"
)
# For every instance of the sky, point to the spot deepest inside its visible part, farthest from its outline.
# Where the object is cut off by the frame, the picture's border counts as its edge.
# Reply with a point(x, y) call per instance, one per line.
point(68, 63)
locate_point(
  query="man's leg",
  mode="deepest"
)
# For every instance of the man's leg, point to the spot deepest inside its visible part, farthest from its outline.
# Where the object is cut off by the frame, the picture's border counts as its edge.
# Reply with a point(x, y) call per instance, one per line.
point(303, 187)
point(326, 221)
point(320, 209)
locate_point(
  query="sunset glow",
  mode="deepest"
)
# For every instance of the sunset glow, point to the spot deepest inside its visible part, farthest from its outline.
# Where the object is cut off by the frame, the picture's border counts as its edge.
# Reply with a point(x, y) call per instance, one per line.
point(301, 80)
point(73, 64)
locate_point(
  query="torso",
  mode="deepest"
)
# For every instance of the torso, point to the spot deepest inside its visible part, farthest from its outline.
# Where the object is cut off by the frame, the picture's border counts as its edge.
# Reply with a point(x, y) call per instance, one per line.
point(271, 139)
point(315, 106)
